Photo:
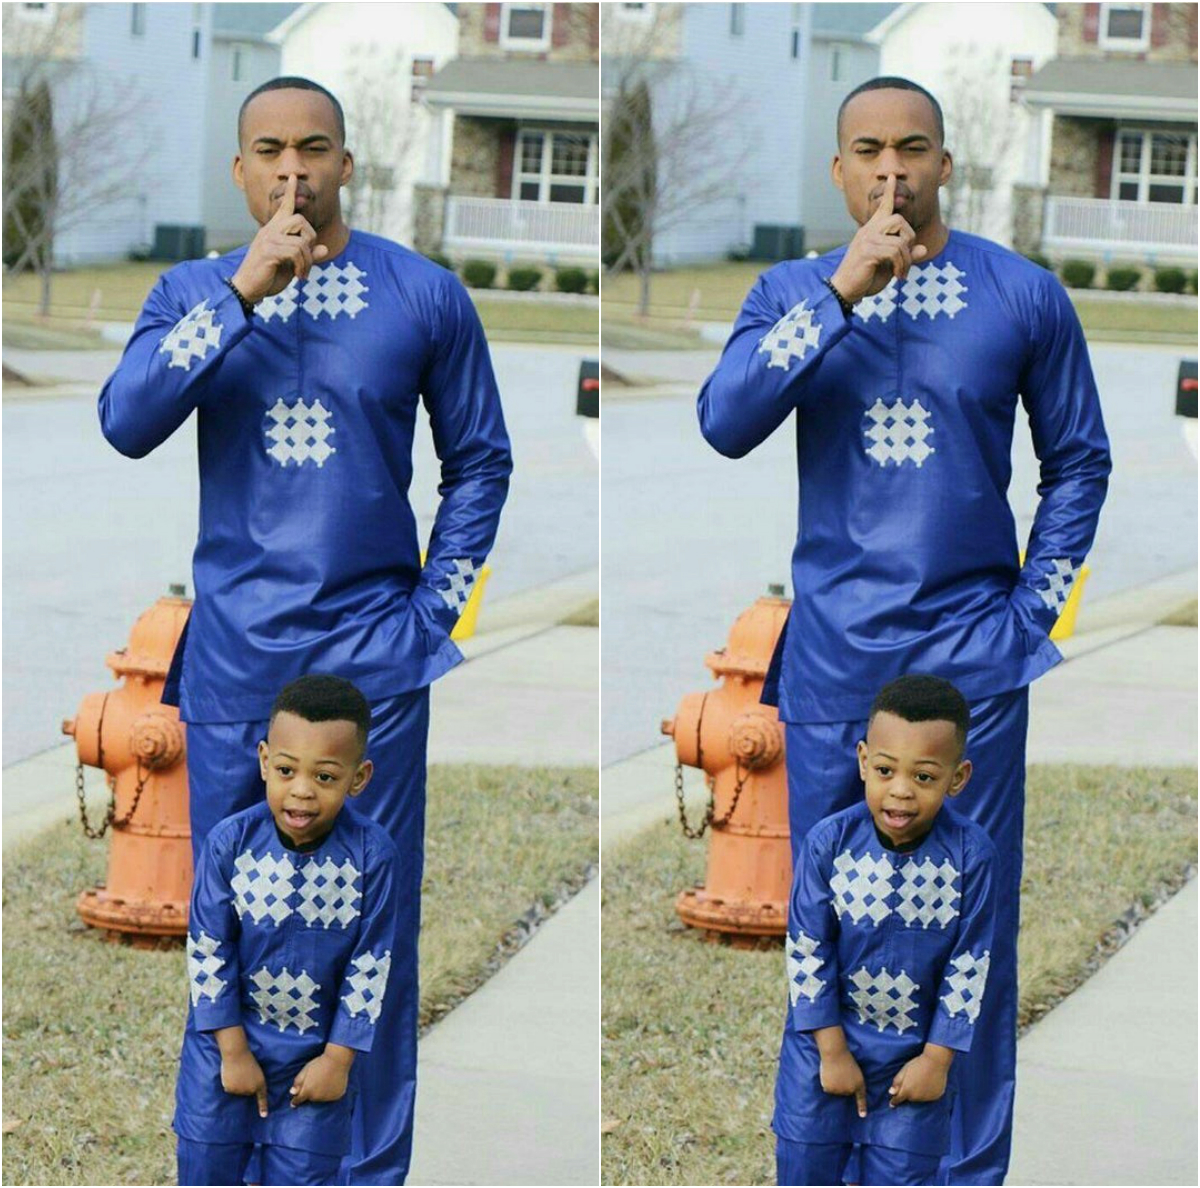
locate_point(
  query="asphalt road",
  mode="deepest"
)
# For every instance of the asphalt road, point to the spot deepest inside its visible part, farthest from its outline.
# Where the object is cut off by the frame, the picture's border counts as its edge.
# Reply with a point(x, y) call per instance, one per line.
point(91, 538)
point(690, 539)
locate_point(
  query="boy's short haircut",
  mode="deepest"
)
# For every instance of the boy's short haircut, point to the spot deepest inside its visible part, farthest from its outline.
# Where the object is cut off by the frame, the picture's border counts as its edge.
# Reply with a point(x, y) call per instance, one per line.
point(919, 697)
point(321, 697)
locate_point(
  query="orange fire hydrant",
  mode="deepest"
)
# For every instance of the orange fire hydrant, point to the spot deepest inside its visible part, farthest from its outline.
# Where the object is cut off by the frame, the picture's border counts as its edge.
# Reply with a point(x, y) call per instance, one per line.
point(739, 745)
point(140, 745)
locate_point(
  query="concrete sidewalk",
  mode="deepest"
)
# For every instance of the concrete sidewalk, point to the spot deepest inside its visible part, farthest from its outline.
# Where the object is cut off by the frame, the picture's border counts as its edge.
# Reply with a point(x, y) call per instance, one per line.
point(1107, 1079)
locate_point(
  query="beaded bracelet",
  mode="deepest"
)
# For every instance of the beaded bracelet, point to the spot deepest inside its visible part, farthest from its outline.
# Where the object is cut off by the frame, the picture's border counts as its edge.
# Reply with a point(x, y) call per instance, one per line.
point(247, 308)
point(847, 308)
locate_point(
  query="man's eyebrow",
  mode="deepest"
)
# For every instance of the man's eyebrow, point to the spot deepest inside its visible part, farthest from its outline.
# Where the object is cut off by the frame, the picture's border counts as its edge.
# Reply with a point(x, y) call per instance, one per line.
point(875, 142)
point(275, 140)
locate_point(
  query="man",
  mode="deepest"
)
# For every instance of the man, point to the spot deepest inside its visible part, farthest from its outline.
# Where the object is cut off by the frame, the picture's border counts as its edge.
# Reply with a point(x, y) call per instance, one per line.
point(903, 355)
point(306, 354)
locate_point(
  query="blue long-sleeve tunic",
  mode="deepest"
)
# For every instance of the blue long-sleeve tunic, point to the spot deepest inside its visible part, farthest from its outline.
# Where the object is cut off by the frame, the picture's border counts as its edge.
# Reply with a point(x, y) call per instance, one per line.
point(895, 947)
point(295, 946)
point(906, 557)
point(308, 557)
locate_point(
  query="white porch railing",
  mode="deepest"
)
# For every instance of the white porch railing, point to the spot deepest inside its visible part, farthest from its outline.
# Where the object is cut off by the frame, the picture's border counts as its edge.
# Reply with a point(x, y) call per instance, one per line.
point(1098, 224)
point(555, 229)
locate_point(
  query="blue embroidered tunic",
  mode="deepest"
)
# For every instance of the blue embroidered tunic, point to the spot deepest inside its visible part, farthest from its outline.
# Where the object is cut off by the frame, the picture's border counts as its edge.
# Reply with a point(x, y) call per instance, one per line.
point(906, 557)
point(308, 557)
point(296, 947)
point(895, 947)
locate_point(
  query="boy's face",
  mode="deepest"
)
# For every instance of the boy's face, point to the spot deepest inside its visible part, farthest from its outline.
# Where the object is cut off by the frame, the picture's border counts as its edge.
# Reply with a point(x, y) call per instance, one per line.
point(909, 768)
point(309, 769)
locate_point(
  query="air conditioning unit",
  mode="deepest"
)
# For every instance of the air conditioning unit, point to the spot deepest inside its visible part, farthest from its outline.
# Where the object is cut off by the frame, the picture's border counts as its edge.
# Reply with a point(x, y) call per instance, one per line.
point(174, 242)
point(773, 242)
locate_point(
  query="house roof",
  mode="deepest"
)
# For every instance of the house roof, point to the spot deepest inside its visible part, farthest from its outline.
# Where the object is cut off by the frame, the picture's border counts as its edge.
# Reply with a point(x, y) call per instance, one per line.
point(848, 21)
point(251, 22)
point(517, 87)
point(1116, 87)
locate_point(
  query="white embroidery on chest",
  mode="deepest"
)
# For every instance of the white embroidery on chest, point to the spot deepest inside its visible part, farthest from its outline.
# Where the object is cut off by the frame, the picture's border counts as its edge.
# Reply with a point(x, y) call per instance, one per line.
point(367, 984)
point(898, 433)
point(331, 289)
point(192, 337)
point(861, 886)
point(967, 984)
point(280, 305)
point(884, 1000)
point(285, 1000)
point(791, 337)
point(1059, 581)
point(262, 886)
point(457, 591)
point(929, 290)
point(328, 894)
point(927, 894)
point(803, 965)
point(203, 966)
point(299, 433)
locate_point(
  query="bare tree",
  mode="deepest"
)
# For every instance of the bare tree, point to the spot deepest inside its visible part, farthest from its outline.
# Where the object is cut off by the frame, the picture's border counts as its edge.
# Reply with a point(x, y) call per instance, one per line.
point(672, 146)
point(67, 148)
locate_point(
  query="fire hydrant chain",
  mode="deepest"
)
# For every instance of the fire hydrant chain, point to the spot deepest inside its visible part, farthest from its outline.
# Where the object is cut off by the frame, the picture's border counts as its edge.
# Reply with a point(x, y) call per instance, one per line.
point(708, 819)
point(110, 814)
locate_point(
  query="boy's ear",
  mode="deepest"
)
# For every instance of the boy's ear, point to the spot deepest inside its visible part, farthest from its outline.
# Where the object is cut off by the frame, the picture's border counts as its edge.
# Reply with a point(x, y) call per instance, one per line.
point(960, 779)
point(362, 777)
point(861, 751)
point(262, 759)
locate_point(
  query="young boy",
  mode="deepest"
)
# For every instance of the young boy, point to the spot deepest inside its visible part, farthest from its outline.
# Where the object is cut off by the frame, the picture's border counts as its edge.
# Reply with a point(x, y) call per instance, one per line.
point(289, 945)
point(889, 937)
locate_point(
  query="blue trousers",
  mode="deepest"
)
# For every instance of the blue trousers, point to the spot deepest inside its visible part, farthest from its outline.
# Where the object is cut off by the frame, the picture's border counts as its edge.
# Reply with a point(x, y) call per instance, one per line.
point(841, 1163)
point(223, 778)
point(823, 779)
point(243, 1163)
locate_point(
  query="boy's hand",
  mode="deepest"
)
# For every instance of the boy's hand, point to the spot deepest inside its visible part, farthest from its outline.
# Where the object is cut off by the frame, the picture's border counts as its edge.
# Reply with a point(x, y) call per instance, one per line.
point(923, 1078)
point(840, 1074)
point(323, 1078)
point(242, 1076)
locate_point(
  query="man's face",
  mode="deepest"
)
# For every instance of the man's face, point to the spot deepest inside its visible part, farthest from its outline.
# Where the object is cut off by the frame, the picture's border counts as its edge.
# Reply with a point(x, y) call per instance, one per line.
point(309, 769)
point(292, 131)
point(891, 132)
point(909, 768)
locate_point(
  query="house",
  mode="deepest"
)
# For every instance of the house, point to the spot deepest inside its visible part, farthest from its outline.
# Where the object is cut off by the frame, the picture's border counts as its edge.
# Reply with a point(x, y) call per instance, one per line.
point(515, 171)
point(378, 60)
point(1116, 145)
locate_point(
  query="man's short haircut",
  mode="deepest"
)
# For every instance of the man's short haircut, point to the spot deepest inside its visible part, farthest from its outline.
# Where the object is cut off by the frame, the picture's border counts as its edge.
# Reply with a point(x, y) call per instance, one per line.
point(921, 698)
point(890, 82)
point(290, 82)
point(320, 697)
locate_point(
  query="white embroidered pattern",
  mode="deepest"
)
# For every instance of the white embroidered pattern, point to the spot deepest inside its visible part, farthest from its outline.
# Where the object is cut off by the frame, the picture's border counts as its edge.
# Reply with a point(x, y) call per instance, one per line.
point(327, 894)
point(280, 305)
point(299, 433)
point(791, 337)
point(457, 592)
point(861, 886)
point(285, 1000)
point(884, 1000)
point(927, 893)
point(1058, 584)
point(203, 966)
point(898, 433)
point(967, 984)
point(262, 886)
point(367, 984)
point(192, 337)
point(929, 290)
point(334, 290)
point(803, 965)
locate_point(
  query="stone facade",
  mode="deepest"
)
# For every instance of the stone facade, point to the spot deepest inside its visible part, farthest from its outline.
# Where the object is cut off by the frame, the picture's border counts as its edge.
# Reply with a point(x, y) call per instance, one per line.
point(573, 30)
point(1076, 156)
point(1028, 204)
point(1172, 33)
point(429, 217)
point(475, 162)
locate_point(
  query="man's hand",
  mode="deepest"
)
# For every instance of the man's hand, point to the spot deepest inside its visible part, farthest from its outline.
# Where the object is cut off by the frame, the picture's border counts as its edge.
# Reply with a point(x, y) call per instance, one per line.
point(840, 1074)
point(923, 1078)
point(241, 1074)
point(882, 248)
point(282, 249)
point(323, 1078)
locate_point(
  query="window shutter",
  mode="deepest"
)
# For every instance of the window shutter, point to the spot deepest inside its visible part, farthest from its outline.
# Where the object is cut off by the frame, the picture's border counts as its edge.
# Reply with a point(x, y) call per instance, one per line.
point(560, 26)
point(1160, 25)
point(491, 22)
point(504, 163)
point(1104, 161)
point(1091, 22)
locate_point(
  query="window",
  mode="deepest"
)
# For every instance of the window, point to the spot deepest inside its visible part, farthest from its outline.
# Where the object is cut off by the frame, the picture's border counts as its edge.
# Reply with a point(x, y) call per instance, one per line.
point(197, 27)
point(238, 57)
point(641, 14)
point(1154, 167)
point(797, 20)
point(36, 13)
point(525, 26)
point(422, 72)
point(1019, 72)
point(838, 61)
point(555, 166)
point(737, 20)
point(1124, 26)
point(137, 20)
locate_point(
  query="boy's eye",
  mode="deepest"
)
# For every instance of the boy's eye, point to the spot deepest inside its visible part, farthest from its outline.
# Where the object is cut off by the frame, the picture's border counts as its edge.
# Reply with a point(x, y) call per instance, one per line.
point(283, 769)
point(883, 770)
point(325, 777)
point(924, 777)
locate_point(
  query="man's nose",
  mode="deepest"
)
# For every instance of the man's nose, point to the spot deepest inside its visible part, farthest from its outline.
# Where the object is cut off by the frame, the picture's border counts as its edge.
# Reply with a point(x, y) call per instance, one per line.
point(291, 161)
point(890, 161)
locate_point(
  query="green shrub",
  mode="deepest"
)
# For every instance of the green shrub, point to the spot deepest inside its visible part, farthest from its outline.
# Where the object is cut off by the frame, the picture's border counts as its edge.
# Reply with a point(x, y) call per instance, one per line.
point(570, 280)
point(438, 258)
point(523, 279)
point(479, 274)
point(1038, 259)
point(1191, 282)
point(593, 285)
point(1078, 274)
point(1170, 280)
point(1121, 280)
